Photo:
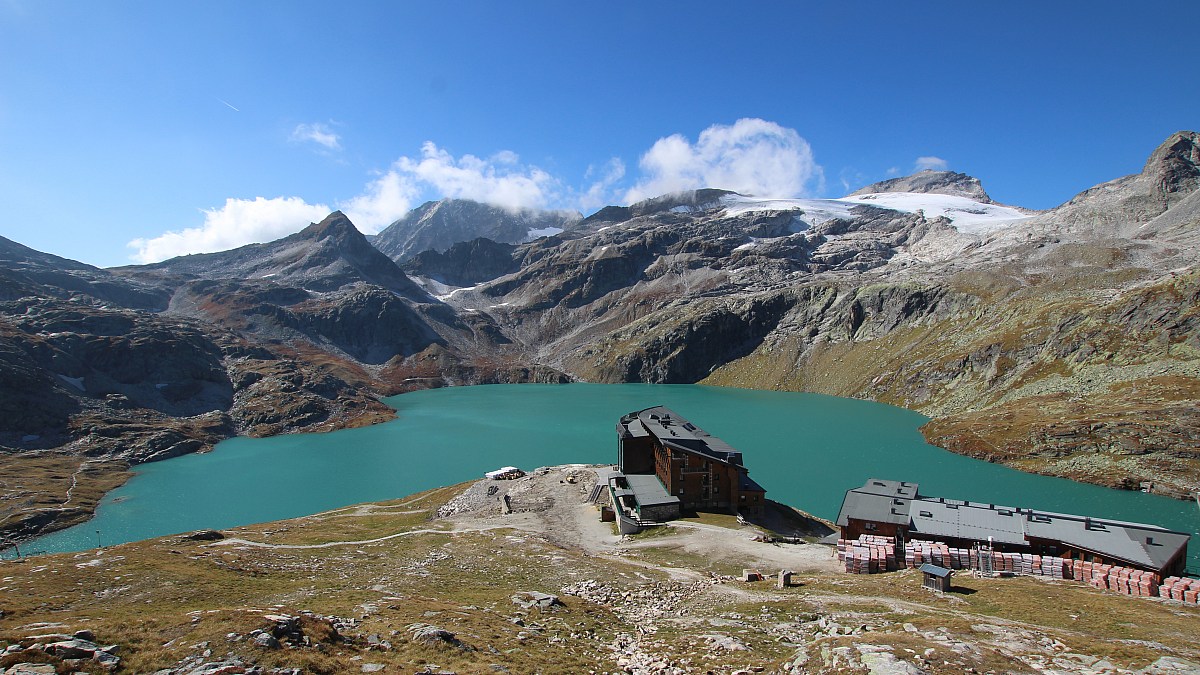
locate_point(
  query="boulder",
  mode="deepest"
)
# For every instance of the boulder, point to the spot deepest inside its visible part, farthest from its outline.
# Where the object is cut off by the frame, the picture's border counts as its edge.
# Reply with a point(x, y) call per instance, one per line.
point(531, 599)
point(266, 641)
point(72, 649)
point(30, 669)
point(423, 632)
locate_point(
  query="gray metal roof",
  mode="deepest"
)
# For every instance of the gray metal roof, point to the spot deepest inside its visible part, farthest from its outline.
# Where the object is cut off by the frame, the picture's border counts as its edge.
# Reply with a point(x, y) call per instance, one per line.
point(673, 431)
point(748, 484)
point(882, 501)
point(648, 491)
point(964, 520)
point(930, 568)
point(1138, 543)
point(895, 502)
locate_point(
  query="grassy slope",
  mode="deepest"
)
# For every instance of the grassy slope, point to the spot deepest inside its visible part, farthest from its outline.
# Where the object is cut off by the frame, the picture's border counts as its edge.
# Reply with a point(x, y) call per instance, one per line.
point(166, 600)
point(1096, 385)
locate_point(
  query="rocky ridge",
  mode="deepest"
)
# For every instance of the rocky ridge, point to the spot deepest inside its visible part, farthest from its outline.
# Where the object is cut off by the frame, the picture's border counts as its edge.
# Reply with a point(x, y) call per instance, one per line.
point(931, 182)
point(1063, 342)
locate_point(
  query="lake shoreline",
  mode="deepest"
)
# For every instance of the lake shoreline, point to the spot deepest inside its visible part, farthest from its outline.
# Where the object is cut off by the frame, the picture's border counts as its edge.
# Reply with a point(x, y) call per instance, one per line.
point(652, 393)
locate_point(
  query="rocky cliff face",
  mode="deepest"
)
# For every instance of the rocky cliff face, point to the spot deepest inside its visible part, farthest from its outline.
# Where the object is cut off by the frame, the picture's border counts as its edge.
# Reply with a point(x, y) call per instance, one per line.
point(931, 182)
point(465, 263)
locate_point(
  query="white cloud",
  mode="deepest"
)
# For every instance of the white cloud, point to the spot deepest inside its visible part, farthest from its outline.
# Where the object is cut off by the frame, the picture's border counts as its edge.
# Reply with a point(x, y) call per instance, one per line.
point(930, 164)
point(385, 200)
point(501, 181)
point(600, 192)
point(239, 222)
point(751, 156)
point(317, 133)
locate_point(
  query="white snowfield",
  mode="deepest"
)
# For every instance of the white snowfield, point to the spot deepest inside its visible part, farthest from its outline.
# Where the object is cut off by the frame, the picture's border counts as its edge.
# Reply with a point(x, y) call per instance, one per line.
point(967, 215)
point(535, 233)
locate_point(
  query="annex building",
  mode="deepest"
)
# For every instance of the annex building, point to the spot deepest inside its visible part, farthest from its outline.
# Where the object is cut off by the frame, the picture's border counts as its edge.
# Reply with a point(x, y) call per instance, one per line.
point(667, 465)
point(896, 509)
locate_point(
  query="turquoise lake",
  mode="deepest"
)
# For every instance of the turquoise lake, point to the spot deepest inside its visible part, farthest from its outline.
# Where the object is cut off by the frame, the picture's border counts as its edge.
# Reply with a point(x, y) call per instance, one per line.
point(805, 449)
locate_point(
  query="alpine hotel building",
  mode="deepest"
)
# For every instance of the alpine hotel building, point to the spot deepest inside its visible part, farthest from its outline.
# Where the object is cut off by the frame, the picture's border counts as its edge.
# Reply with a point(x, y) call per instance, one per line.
point(704, 472)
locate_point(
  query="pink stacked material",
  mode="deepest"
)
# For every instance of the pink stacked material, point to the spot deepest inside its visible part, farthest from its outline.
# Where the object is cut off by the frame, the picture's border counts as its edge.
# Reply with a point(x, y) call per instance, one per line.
point(1124, 580)
point(917, 553)
point(869, 554)
point(1177, 588)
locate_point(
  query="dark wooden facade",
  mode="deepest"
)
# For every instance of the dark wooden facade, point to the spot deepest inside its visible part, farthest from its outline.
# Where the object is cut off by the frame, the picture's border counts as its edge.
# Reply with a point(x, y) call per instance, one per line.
point(856, 527)
point(703, 481)
point(706, 484)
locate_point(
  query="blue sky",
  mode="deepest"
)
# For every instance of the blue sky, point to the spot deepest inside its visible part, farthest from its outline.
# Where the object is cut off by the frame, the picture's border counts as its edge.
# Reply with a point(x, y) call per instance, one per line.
point(225, 122)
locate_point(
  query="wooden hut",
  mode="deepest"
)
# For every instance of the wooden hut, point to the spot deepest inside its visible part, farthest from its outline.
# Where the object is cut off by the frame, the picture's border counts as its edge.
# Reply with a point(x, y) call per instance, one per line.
point(935, 578)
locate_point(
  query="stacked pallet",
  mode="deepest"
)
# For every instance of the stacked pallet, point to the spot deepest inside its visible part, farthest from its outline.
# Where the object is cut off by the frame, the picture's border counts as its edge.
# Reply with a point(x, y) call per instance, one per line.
point(917, 553)
point(869, 554)
point(1049, 566)
point(1184, 590)
point(872, 554)
point(1124, 580)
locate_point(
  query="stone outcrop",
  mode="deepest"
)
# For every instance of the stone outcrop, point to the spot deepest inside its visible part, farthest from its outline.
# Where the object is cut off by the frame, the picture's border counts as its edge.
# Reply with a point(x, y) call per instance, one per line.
point(932, 182)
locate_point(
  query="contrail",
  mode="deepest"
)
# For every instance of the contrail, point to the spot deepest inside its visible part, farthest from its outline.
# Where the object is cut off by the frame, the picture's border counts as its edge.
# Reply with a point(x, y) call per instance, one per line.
point(229, 104)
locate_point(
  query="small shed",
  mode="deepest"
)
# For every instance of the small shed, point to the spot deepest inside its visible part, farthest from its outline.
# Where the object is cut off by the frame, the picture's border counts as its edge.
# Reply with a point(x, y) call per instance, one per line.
point(936, 578)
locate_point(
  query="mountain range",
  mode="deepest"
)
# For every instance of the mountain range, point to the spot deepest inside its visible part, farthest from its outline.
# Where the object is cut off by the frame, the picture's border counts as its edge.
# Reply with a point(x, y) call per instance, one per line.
point(1062, 341)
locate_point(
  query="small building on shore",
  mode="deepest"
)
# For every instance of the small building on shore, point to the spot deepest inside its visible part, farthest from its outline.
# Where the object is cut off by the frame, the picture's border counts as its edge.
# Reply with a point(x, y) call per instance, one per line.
point(702, 472)
point(897, 510)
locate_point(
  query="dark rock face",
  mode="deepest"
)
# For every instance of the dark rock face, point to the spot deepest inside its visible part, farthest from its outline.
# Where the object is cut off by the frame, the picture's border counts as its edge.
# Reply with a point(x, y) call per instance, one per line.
point(465, 263)
point(692, 349)
point(932, 182)
point(147, 361)
point(436, 226)
point(368, 323)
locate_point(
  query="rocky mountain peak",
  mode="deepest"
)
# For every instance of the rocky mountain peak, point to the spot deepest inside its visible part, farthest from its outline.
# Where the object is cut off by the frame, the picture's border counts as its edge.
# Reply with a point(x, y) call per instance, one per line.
point(932, 182)
point(1174, 166)
point(439, 225)
point(335, 225)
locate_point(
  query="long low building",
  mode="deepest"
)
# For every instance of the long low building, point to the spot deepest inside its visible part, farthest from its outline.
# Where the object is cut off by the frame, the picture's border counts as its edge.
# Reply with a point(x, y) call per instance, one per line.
point(896, 509)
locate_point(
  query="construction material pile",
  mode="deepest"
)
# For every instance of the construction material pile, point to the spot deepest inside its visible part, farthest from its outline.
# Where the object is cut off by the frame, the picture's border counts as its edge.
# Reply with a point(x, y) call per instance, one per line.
point(1176, 588)
point(1116, 578)
point(1027, 564)
point(917, 553)
point(869, 554)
